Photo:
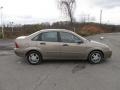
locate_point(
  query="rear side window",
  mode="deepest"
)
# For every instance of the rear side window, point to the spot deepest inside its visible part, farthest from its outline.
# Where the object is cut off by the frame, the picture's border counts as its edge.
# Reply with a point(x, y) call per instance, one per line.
point(37, 38)
point(49, 36)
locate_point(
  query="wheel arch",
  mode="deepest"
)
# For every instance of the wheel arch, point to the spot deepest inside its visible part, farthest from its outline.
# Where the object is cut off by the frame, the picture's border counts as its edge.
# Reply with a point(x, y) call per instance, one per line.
point(35, 51)
point(95, 50)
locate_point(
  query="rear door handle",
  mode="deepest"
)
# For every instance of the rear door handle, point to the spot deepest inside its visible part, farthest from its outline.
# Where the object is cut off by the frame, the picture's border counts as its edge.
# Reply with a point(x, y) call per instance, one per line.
point(65, 45)
point(42, 43)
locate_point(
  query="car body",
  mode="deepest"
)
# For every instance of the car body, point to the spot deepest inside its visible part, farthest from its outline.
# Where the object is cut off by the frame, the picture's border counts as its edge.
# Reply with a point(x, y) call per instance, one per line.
point(59, 44)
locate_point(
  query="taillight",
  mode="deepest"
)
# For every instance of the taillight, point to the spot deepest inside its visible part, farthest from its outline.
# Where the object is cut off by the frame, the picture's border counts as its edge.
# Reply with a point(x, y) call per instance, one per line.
point(16, 45)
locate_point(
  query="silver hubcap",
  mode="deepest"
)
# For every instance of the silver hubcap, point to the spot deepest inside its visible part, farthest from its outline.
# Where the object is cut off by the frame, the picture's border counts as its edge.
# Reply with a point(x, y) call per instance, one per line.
point(33, 58)
point(96, 57)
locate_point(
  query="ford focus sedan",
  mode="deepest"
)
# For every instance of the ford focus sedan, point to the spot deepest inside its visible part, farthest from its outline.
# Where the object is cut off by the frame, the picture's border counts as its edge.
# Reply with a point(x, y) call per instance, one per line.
point(60, 44)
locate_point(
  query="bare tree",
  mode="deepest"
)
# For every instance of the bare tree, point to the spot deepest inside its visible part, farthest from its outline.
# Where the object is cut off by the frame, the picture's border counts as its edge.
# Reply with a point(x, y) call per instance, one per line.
point(68, 6)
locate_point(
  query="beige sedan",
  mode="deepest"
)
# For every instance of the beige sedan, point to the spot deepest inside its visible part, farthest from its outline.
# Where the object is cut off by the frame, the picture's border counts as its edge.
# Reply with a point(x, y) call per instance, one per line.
point(60, 44)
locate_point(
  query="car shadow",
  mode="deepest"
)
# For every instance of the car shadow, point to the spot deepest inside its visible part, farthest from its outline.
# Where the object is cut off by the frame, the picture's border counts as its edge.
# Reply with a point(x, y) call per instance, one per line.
point(57, 62)
point(52, 61)
point(64, 61)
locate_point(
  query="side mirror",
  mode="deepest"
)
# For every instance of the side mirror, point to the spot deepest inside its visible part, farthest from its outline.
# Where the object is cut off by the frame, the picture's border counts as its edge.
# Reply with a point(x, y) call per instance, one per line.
point(79, 42)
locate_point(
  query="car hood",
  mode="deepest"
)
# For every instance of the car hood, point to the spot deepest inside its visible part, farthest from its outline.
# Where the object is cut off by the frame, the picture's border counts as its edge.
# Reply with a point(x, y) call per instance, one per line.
point(95, 43)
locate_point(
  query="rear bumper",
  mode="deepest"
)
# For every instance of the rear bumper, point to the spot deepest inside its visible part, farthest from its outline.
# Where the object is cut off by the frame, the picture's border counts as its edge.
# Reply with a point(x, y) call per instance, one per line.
point(19, 52)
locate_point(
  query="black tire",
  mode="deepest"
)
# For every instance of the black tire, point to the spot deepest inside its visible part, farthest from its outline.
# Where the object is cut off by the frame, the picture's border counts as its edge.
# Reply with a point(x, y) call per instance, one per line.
point(95, 57)
point(34, 57)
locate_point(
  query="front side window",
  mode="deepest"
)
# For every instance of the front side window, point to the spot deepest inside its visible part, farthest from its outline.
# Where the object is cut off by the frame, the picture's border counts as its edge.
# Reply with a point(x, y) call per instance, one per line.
point(69, 38)
point(49, 36)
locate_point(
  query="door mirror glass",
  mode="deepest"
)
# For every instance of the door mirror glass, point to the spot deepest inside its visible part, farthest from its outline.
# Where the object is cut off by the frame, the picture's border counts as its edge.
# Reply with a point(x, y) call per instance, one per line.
point(79, 41)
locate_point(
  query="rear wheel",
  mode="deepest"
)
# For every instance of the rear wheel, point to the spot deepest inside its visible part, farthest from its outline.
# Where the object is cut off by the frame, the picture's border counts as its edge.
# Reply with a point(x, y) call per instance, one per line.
point(34, 57)
point(95, 57)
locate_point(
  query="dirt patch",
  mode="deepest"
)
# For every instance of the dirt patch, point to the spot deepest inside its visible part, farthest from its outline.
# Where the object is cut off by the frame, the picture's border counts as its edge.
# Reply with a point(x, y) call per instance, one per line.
point(91, 29)
point(6, 47)
point(6, 53)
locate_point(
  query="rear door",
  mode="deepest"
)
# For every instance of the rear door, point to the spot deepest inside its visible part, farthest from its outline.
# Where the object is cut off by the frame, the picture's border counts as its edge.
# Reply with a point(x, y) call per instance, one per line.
point(49, 45)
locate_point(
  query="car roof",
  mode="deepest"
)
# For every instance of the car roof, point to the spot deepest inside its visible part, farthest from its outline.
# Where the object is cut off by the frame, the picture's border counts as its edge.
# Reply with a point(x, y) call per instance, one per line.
point(45, 30)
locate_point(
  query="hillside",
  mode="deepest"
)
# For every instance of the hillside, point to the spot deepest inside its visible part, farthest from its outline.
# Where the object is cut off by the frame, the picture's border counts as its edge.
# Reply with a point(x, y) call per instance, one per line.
point(83, 29)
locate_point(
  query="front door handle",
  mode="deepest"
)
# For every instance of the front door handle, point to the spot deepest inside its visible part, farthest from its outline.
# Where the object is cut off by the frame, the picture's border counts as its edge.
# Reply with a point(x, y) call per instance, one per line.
point(65, 45)
point(42, 43)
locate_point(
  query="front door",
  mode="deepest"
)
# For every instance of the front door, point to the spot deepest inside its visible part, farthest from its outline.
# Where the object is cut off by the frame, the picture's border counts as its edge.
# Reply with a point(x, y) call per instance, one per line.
point(71, 46)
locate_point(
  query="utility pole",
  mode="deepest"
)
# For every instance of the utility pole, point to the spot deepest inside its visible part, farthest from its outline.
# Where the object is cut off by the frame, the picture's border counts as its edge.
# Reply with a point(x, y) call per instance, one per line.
point(101, 16)
point(84, 19)
point(11, 25)
point(2, 22)
point(88, 18)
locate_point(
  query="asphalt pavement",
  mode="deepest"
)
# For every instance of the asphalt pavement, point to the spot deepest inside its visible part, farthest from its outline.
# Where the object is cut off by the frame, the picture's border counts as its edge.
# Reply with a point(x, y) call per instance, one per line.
point(17, 74)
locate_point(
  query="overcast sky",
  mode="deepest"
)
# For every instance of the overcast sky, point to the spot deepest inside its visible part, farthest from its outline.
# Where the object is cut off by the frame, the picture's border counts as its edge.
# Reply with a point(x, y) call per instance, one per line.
point(37, 11)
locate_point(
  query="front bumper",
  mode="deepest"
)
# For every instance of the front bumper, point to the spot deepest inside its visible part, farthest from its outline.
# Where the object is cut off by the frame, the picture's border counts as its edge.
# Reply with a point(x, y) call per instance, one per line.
point(107, 54)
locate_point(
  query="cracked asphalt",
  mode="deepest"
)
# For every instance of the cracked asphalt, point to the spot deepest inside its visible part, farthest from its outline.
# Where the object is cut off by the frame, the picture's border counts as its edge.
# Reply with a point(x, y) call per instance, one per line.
point(17, 74)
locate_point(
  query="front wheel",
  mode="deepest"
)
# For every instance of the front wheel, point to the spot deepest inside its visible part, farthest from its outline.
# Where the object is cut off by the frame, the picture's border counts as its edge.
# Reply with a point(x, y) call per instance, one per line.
point(95, 57)
point(34, 57)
